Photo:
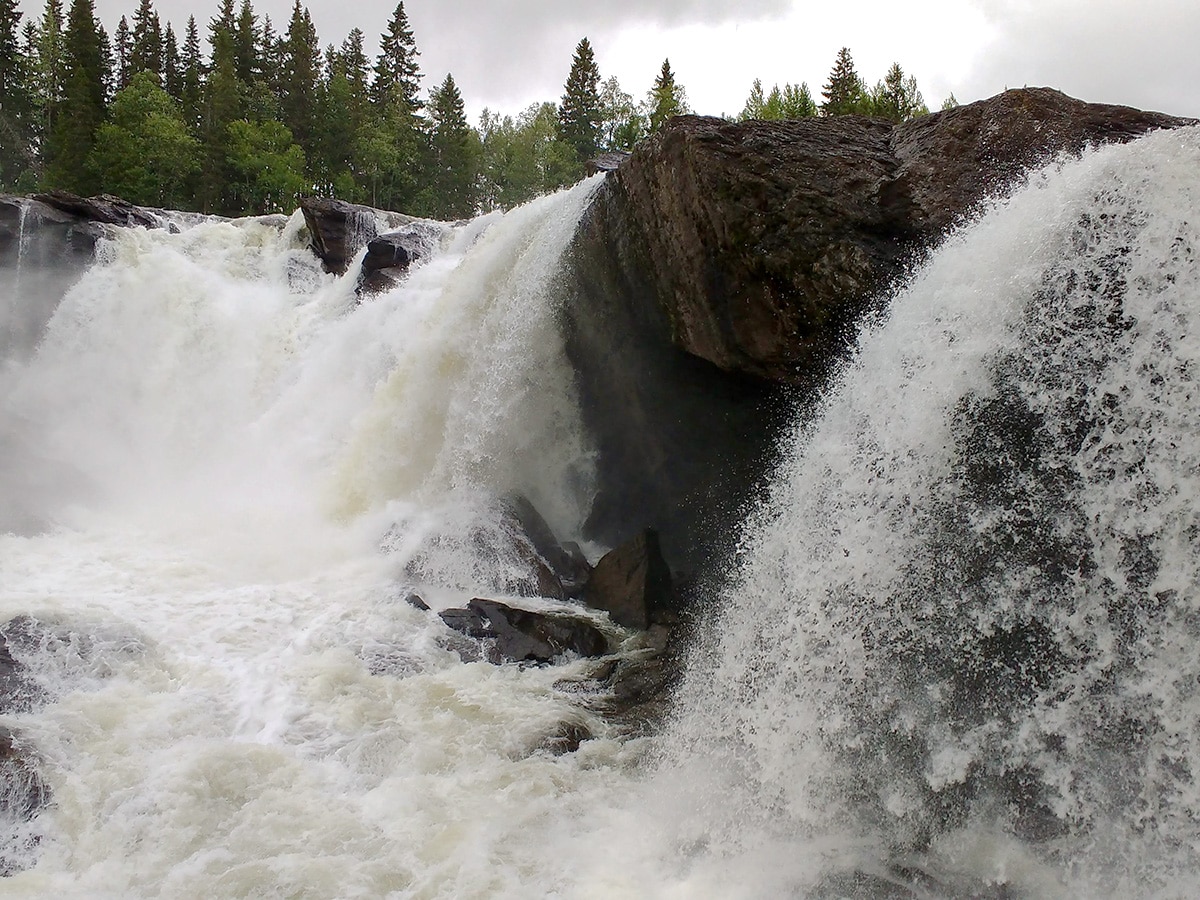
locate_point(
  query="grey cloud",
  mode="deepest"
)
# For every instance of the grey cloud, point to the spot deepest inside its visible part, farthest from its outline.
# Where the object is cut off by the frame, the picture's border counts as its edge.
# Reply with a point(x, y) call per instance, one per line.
point(1109, 51)
point(501, 53)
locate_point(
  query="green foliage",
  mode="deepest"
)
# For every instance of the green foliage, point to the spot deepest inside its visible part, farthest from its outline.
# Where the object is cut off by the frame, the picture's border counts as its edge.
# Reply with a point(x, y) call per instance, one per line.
point(793, 102)
point(144, 152)
point(579, 113)
point(666, 99)
point(265, 118)
point(897, 97)
point(845, 93)
point(622, 124)
point(397, 74)
point(450, 189)
point(145, 54)
point(299, 66)
point(16, 100)
point(266, 165)
point(82, 108)
point(523, 159)
point(950, 102)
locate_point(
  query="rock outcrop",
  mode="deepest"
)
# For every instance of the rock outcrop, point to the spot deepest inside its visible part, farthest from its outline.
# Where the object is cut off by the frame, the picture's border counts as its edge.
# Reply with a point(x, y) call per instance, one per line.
point(521, 635)
point(724, 267)
point(632, 583)
point(338, 230)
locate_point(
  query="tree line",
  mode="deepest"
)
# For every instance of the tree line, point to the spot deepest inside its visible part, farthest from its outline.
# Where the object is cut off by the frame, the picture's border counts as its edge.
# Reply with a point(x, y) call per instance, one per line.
point(257, 118)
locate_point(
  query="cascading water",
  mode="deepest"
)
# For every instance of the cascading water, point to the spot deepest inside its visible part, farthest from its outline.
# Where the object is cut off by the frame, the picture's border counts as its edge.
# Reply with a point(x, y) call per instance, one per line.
point(211, 444)
point(960, 652)
point(957, 657)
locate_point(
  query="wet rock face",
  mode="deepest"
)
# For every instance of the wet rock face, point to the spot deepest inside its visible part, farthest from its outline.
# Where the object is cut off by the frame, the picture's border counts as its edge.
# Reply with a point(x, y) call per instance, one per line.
point(632, 583)
point(722, 270)
point(521, 635)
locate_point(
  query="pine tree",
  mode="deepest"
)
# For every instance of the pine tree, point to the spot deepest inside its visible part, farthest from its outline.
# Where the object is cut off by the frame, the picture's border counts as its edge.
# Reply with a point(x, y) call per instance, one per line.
point(146, 52)
point(950, 102)
point(454, 157)
point(579, 113)
point(83, 106)
point(844, 93)
point(397, 75)
point(666, 99)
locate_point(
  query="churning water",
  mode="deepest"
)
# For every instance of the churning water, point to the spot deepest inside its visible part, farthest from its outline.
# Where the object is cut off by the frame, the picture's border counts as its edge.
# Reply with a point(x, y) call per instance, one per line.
point(958, 656)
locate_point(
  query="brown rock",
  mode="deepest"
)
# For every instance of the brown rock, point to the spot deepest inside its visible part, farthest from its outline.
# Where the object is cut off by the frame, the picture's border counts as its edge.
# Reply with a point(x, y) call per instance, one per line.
point(734, 261)
point(632, 583)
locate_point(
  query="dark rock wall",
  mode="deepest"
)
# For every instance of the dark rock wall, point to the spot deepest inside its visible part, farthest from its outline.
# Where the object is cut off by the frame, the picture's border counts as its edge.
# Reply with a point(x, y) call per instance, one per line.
point(723, 269)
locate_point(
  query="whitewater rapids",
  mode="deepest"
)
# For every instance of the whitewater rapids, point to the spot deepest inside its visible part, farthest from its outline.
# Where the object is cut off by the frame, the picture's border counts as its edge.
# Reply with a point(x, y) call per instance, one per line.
point(957, 656)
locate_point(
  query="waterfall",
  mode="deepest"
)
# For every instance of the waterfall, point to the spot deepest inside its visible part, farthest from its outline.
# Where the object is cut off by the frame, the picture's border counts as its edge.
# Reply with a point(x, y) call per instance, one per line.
point(956, 655)
point(962, 635)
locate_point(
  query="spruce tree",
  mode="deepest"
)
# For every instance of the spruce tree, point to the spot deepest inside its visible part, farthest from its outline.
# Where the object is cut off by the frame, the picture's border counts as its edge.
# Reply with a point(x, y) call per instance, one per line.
point(579, 113)
point(844, 93)
point(49, 70)
point(16, 107)
point(897, 97)
point(391, 148)
point(83, 107)
point(454, 157)
point(299, 69)
point(146, 52)
point(190, 75)
point(122, 48)
point(245, 44)
point(666, 99)
point(397, 75)
point(172, 74)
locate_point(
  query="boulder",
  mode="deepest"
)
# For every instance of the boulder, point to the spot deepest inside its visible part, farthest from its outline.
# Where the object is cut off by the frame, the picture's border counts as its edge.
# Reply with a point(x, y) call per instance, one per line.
point(338, 230)
point(632, 583)
point(521, 635)
point(104, 209)
point(735, 260)
point(389, 256)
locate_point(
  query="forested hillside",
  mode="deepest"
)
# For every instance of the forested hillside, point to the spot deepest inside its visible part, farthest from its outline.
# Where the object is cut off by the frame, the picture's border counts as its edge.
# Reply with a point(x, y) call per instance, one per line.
point(237, 117)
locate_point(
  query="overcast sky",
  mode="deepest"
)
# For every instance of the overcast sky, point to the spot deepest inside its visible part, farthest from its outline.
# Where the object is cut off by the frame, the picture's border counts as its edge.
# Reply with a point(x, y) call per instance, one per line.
point(508, 54)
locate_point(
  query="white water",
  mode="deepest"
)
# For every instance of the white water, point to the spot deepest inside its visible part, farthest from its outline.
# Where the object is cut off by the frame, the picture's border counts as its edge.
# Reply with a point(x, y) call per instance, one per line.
point(221, 441)
point(958, 654)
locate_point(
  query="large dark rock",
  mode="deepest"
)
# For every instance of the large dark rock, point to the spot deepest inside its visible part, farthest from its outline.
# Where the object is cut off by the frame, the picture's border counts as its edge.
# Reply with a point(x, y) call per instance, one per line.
point(522, 635)
point(104, 209)
point(722, 270)
point(338, 230)
point(632, 583)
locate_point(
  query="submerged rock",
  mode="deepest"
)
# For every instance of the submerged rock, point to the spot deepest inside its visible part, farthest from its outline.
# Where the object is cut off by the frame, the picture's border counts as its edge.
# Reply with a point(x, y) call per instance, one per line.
point(521, 635)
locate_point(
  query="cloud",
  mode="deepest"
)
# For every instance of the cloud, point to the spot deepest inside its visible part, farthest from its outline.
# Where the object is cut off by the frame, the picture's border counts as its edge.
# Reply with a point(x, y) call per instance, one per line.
point(1105, 51)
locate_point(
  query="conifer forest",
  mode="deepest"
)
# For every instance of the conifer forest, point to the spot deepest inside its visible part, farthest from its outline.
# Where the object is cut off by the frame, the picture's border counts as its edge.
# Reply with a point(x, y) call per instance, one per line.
point(238, 117)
